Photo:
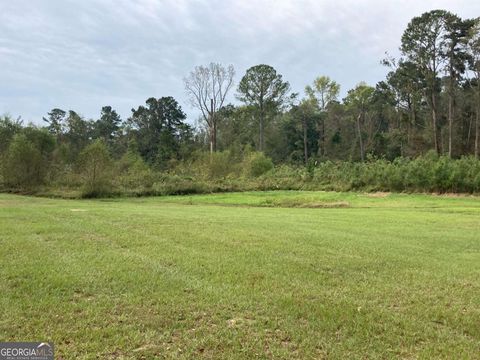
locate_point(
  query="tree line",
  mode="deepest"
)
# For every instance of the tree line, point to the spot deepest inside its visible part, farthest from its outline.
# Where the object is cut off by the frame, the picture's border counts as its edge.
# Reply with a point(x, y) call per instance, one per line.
point(428, 102)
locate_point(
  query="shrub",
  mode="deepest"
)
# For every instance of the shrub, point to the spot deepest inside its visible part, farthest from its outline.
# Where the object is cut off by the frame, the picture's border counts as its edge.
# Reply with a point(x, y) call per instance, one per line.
point(22, 165)
point(219, 165)
point(94, 164)
point(256, 164)
point(208, 166)
point(134, 174)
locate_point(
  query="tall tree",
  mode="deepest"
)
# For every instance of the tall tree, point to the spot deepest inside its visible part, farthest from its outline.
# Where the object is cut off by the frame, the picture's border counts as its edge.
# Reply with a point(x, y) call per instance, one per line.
point(423, 44)
point(305, 111)
point(358, 102)
point(56, 122)
point(455, 53)
point(323, 92)
point(108, 125)
point(207, 88)
point(77, 133)
point(407, 85)
point(263, 88)
point(236, 130)
point(474, 67)
point(159, 129)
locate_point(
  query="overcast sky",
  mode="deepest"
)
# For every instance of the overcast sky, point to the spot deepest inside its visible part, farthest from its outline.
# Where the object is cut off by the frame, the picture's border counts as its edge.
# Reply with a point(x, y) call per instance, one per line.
point(85, 54)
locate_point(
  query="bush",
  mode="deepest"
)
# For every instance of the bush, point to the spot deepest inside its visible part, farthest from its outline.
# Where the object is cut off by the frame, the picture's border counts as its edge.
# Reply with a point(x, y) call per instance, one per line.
point(209, 166)
point(134, 175)
point(256, 164)
point(95, 165)
point(22, 166)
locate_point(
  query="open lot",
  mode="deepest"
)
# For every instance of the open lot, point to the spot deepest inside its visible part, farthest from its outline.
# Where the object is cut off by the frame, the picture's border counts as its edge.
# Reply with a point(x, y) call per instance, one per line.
point(290, 275)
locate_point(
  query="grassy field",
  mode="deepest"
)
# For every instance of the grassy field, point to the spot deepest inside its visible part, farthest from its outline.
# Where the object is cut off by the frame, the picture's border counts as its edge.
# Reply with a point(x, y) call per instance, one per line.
point(285, 275)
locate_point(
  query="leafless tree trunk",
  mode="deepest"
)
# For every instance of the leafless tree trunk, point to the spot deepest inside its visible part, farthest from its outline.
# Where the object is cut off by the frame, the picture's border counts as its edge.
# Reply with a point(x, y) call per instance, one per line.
point(471, 124)
point(207, 88)
point(212, 128)
point(359, 130)
point(261, 139)
point(477, 130)
point(434, 124)
point(450, 126)
point(451, 110)
point(305, 143)
point(413, 124)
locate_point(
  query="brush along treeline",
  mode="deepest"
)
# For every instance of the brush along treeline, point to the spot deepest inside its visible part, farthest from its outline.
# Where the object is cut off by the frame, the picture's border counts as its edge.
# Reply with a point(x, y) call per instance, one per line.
point(26, 168)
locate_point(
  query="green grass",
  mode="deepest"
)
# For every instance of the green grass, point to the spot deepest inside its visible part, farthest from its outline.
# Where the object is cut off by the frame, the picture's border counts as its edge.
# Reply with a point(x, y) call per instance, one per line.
point(290, 275)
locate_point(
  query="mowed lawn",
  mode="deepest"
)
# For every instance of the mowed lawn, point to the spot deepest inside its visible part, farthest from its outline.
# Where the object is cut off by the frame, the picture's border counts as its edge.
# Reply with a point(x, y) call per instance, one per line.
point(275, 275)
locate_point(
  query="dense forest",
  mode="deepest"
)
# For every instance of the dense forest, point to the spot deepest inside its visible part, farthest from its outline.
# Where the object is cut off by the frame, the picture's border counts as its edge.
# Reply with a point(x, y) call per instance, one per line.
point(417, 130)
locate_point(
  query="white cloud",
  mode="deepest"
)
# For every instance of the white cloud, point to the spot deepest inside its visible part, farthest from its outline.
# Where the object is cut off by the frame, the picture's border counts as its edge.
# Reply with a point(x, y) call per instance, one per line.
point(83, 55)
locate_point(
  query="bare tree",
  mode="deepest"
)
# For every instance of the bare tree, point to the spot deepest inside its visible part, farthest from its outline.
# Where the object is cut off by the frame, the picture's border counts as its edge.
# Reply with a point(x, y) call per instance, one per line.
point(207, 87)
